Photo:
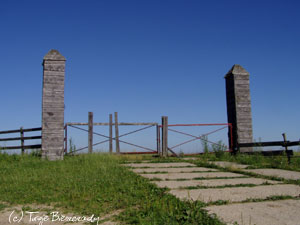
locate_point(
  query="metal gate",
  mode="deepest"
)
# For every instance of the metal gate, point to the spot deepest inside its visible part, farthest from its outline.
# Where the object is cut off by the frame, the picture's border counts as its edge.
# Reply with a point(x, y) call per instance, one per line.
point(110, 138)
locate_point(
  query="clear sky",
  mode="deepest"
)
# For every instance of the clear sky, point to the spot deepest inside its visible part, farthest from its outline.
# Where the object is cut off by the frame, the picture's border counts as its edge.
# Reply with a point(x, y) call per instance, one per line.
point(145, 59)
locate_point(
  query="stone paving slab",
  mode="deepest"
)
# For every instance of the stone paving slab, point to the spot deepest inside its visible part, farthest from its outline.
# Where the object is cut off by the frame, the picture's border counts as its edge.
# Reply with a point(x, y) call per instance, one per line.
point(286, 174)
point(259, 213)
point(174, 176)
point(213, 183)
point(174, 170)
point(237, 194)
point(190, 158)
point(159, 165)
point(225, 164)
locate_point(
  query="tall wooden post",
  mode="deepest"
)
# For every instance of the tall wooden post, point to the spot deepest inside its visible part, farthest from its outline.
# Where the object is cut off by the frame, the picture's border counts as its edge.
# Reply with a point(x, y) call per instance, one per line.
point(117, 133)
point(164, 136)
point(90, 142)
point(22, 140)
point(53, 105)
point(158, 139)
point(110, 134)
point(66, 139)
point(239, 107)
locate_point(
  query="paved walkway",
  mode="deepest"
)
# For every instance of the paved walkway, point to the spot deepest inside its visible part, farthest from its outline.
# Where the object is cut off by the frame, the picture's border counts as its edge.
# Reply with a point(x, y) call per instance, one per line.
point(189, 182)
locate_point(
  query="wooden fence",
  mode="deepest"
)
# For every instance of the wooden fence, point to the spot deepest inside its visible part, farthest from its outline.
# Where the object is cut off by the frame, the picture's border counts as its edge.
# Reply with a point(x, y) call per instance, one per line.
point(21, 138)
point(283, 143)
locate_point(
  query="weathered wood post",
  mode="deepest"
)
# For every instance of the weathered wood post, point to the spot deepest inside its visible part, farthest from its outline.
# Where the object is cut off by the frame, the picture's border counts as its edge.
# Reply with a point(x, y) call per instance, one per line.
point(158, 139)
point(164, 122)
point(22, 140)
point(117, 133)
point(110, 134)
point(66, 139)
point(239, 107)
point(90, 134)
point(53, 105)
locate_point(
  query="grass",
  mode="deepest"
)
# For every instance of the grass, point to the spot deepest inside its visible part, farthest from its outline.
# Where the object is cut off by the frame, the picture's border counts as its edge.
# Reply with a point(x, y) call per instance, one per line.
point(256, 161)
point(93, 184)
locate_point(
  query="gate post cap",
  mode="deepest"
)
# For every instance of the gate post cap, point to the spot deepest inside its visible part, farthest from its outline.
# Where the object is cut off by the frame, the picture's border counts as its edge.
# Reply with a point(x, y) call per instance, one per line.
point(238, 70)
point(54, 55)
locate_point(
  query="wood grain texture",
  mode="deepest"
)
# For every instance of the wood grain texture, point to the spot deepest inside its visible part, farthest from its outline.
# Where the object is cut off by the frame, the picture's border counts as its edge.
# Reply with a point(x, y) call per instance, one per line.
point(53, 105)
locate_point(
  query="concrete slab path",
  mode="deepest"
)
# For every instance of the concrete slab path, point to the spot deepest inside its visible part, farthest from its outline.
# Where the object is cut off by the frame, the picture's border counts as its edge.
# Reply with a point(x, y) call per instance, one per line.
point(244, 213)
point(285, 174)
point(212, 183)
point(159, 165)
point(238, 194)
point(174, 176)
point(174, 170)
point(283, 212)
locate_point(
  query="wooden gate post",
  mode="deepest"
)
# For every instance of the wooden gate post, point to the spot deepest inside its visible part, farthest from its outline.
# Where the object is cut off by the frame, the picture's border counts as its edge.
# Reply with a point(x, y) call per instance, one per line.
point(158, 139)
point(53, 106)
point(110, 134)
point(22, 140)
point(164, 123)
point(90, 135)
point(117, 133)
point(239, 107)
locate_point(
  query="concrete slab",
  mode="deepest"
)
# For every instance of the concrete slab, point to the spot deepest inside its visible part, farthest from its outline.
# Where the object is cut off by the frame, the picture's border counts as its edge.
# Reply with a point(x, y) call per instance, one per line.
point(285, 174)
point(159, 165)
point(174, 170)
point(259, 213)
point(190, 158)
point(237, 194)
point(225, 164)
point(174, 176)
point(212, 183)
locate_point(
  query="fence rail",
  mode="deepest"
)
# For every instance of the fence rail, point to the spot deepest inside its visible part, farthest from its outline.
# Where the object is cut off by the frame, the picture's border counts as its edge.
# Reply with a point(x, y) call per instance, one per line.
point(270, 143)
point(21, 138)
point(283, 143)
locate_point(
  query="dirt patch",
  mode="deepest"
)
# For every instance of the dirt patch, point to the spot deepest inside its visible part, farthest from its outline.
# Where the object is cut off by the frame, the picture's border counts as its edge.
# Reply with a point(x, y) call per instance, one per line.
point(238, 194)
point(259, 213)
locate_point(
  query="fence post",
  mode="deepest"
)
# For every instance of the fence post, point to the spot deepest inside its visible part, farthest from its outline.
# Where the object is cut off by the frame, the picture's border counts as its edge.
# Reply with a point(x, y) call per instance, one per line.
point(164, 136)
point(117, 133)
point(90, 135)
point(53, 105)
point(158, 139)
point(239, 107)
point(286, 148)
point(22, 139)
point(66, 138)
point(110, 134)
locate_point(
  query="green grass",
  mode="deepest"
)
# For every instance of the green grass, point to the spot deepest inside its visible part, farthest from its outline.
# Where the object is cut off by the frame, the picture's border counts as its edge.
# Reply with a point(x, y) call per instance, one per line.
point(93, 184)
point(256, 161)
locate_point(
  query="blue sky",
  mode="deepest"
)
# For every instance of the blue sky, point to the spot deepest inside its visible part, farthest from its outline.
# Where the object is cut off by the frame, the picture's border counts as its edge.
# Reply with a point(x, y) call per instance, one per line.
point(146, 59)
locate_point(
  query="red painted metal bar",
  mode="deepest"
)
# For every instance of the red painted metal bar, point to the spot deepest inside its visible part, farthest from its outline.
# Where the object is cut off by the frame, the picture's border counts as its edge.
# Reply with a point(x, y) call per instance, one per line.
point(195, 137)
point(176, 131)
point(138, 153)
point(198, 124)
